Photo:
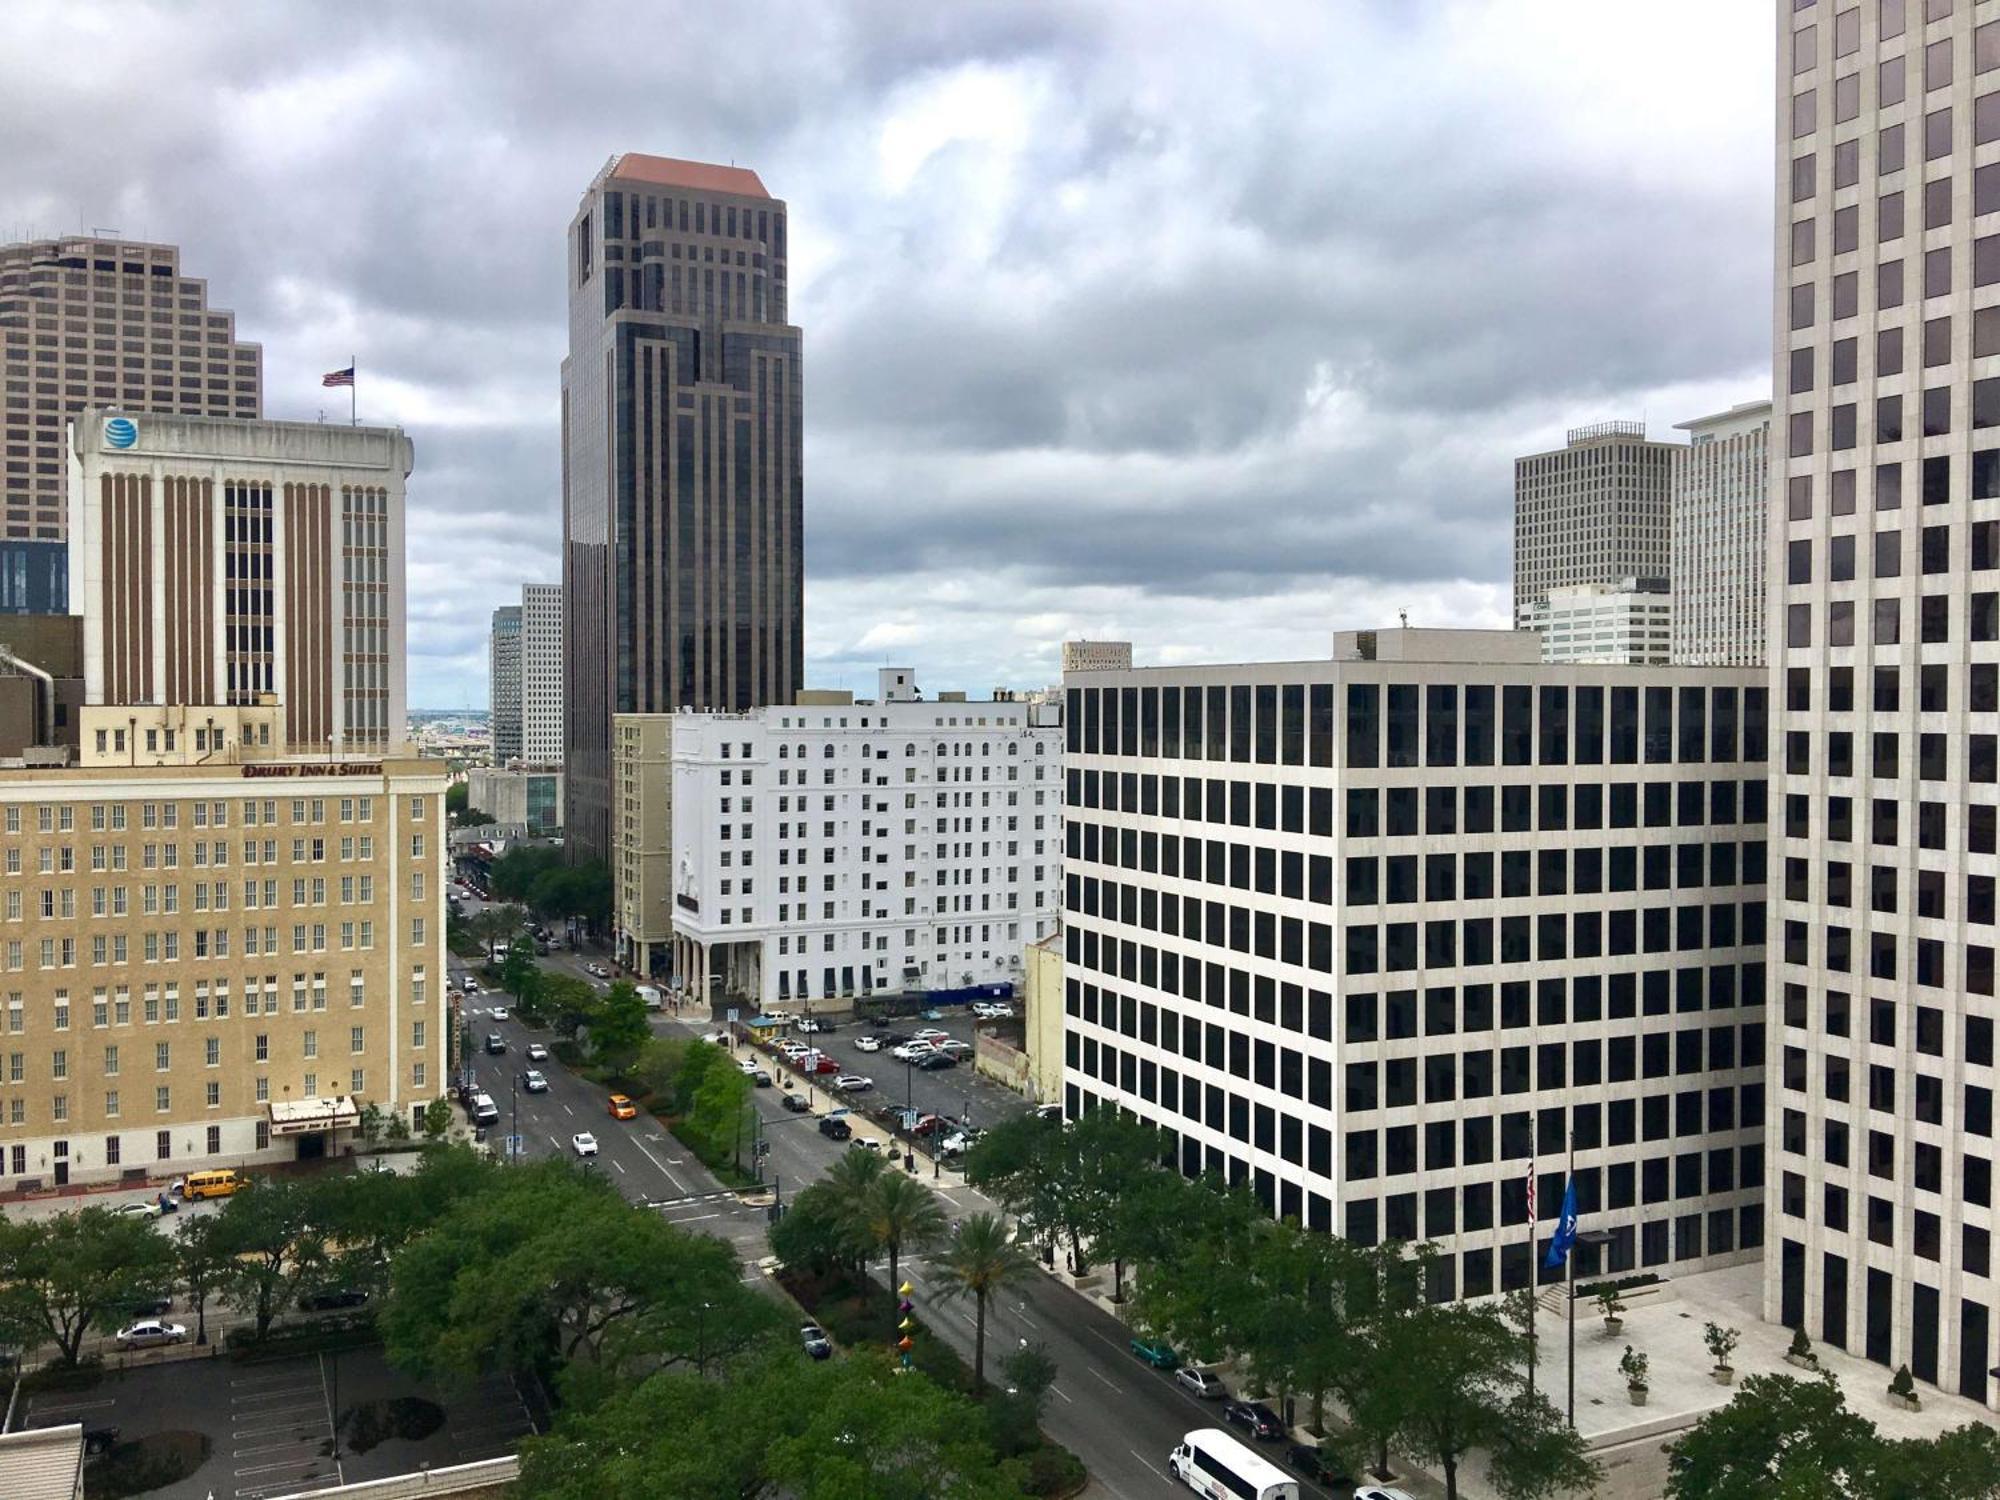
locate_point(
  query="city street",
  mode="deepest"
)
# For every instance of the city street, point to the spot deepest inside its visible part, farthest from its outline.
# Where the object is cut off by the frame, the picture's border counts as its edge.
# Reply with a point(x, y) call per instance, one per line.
point(1119, 1416)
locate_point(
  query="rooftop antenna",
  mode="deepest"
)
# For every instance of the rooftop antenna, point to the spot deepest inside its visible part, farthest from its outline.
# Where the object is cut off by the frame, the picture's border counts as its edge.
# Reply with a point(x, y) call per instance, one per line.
point(97, 233)
point(1404, 616)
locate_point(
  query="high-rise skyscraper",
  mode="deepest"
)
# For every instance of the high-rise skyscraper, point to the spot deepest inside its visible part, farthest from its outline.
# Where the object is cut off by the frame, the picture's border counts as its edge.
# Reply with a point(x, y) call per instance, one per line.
point(542, 674)
point(682, 492)
point(93, 321)
point(217, 561)
point(1885, 671)
point(1720, 483)
point(503, 662)
point(1592, 511)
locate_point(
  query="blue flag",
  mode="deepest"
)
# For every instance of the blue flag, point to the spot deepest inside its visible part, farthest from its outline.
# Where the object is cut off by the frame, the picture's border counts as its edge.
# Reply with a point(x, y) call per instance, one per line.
point(1565, 1235)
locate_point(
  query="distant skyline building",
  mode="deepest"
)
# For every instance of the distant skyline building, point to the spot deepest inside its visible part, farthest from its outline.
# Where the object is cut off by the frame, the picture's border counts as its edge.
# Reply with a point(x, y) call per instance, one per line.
point(683, 522)
point(1627, 623)
point(503, 675)
point(1096, 656)
point(1718, 510)
point(541, 674)
point(216, 561)
point(1592, 511)
point(92, 320)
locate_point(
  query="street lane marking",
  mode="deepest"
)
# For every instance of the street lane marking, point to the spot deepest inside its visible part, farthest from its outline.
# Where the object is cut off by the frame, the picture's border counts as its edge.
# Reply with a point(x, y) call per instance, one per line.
point(662, 1166)
point(1163, 1478)
point(265, 1448)
point(1062, 1393)
point(620, 1166)
point(568, 1111)
point(296, 1463)
point(38, 1408)
point(1109, 1381)
point(254, 1396)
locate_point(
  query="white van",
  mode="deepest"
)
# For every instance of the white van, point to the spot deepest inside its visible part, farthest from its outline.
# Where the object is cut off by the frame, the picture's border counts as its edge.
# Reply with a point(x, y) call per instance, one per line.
point(650, 993)
point(1214, 1464)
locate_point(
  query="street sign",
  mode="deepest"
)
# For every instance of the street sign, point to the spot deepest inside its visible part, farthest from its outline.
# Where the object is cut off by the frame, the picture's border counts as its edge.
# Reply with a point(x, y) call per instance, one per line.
point(730, 1015)
point(513, 1145)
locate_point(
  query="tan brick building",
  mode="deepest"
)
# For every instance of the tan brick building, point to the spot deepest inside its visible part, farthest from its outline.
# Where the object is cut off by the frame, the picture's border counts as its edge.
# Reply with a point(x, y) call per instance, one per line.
point(212, 955)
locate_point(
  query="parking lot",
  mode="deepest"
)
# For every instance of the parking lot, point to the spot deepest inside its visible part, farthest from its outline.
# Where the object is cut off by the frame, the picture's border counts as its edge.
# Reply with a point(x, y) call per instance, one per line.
point(957, 1092)
point(270, 1425)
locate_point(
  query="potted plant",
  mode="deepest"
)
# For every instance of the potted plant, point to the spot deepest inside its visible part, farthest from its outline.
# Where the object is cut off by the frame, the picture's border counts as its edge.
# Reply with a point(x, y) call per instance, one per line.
point(1721, 1344)
point(1632, 1365)
point(1800, 1353)
point(1613, 1307)
point(1903, 1390)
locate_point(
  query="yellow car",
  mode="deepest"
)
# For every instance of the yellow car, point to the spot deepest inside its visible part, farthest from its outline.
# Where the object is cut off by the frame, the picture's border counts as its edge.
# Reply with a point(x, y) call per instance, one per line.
point(623, 1108)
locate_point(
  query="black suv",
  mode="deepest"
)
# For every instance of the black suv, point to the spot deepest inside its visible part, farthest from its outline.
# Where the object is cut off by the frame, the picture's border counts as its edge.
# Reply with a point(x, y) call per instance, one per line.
point(835, 1129)
point(1253, 1417)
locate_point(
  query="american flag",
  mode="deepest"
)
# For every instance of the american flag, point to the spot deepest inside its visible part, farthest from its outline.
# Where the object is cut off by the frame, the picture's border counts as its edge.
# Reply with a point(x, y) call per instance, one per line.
point(1531, 1195)
point(338, 377)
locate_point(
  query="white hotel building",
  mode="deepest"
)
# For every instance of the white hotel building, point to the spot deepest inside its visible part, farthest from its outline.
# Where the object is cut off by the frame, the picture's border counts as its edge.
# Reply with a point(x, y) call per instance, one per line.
point(834, 848)
point(1379, 935)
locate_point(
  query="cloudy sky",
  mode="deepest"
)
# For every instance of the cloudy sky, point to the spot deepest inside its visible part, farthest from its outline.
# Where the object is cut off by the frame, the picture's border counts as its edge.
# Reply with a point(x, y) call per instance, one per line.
point(1214, 327)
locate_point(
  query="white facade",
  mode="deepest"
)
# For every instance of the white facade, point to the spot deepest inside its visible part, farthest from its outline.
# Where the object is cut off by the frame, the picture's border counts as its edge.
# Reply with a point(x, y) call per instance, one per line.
point(217, 560)
point(1096, 656)
point(541, 674)
point(1628, 623)
point(835, 848)
point(1720, 484)
point(1375, 935)
point(1885, 673)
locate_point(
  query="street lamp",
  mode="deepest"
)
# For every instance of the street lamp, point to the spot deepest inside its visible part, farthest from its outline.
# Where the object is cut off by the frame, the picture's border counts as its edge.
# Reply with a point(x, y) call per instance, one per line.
point(910, 1115)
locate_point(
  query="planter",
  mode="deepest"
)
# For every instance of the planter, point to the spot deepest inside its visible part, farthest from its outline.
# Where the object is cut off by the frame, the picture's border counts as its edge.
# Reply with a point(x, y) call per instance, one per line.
point(1637, 1393)
point(1803, 1361)
point(1908, 1403)
point(1722, 1375)
point(1613, 1327)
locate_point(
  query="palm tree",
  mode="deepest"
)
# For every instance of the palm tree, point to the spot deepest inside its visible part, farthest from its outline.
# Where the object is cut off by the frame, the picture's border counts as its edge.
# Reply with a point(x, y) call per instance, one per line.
point(899, 1211)
point(980, 1258)
point(850, 1180)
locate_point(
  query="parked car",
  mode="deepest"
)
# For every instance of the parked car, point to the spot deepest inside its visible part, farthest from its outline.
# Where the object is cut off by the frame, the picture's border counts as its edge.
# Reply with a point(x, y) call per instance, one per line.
point(931, 1034)
point(584, 1143)
point(955, 1048)
point(956, 1144)
point(537, 1052)
point(816, 1343)
point(1200, 1383)
point(534, 1082)
point(149, 1307)
point(1253, 1417)
point(910, 1052)
point(812, 1025)
point(760, 1077)
point(868, 1044)
point(98, 1441)
point(930, 1062)
point(747, 1066)
point(1155, 1352)
point(334, 1299)
point(893, 1038)
point(792, 1048)
point(597, 970)
point(145, 1208)
point(853, 1083)
point(1381, 1492)
point(1313, 1463)
point(499, 1012)
point(495, 1043)
point(835, 1129)
point(821, 1063)
point(796, 1104)
point(150, 1333)
point(622, 1108)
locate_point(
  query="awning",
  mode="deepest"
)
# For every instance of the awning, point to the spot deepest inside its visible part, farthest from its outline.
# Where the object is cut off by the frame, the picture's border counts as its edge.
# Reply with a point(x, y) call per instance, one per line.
point(299, 1116)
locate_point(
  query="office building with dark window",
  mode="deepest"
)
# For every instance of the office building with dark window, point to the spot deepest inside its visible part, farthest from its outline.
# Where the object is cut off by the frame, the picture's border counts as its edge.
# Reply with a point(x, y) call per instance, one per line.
point(1592, 511)
point(1381, 935)
point(1885, 671)
point(683, 572)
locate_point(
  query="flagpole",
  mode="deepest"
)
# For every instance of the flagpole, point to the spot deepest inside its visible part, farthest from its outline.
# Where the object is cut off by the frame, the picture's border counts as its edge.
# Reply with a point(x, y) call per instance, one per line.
point(353, 369)
point(1533, 1289)
point(1569, 1268)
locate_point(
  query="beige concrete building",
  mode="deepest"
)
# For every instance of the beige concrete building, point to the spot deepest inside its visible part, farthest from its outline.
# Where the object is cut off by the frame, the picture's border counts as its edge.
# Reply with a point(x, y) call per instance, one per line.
point(1627, 623)
point(211, 955)
point(1042, 1011)
point(1885, 678)
point(1096, 656)
point(88, 320)
point(1591, 511)
point(1721, 482)
point(217, 561)
point(642, 850)
point(528, 796)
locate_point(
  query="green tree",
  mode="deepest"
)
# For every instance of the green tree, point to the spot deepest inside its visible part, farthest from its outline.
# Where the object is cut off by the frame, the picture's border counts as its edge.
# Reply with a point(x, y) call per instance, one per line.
point(437, 1118)
point(73, 1272)
point(272, 1242)
point(569, 1005)
point(199, 1265)
point(776, 1425)
point(723, 1115)
point(371, 1122)
point(1450, 1371)
point(546, 1269)
point(1111, 1154)
point(849, 1182)
point(457, 797)
point(1014, 1417)
point(658, 1065)
point(977, 1261)
point(514, 873)
point(900, 1211)
point(1021, 1162)
point(1192, 1291)
point(521, 977)
point(621, 1027)
point(814, 1238)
